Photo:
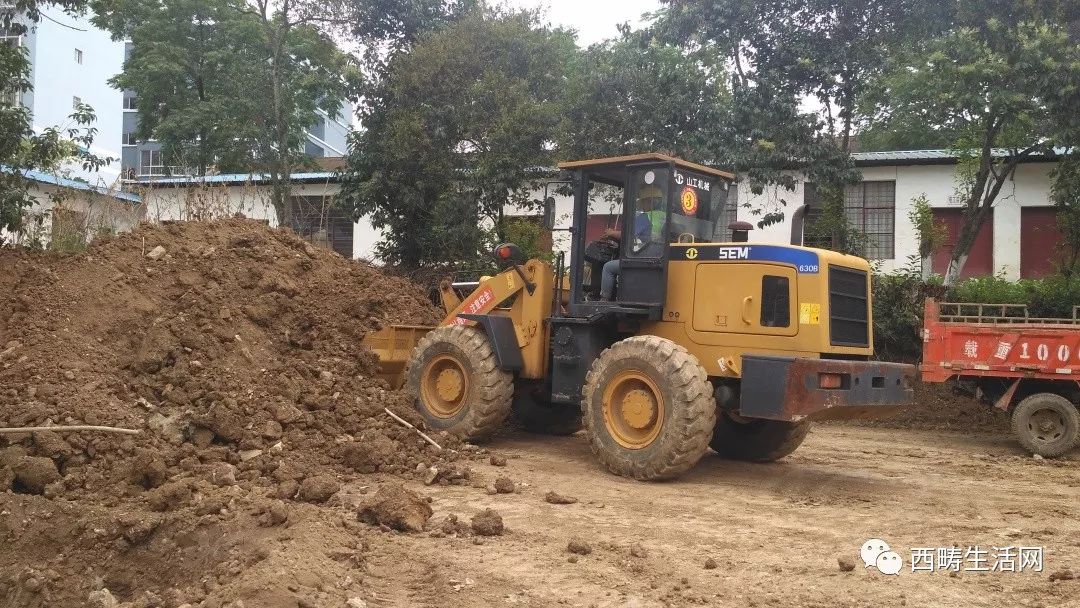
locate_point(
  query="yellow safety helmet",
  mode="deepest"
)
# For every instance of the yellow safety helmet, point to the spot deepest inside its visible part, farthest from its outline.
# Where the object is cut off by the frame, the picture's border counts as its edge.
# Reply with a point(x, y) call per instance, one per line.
point(649, 192)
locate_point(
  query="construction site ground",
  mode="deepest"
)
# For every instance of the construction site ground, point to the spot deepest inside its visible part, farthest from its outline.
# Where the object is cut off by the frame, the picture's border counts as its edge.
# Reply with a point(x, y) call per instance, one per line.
point(775, 531)
point(266, 472)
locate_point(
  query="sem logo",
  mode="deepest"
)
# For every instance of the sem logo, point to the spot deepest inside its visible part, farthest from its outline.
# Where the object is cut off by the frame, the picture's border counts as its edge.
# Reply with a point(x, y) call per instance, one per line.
point(733, 253)
point(691, 253)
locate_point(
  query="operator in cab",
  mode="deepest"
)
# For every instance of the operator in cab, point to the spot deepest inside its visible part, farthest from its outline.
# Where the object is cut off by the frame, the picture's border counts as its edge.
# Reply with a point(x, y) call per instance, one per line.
point(648, 233)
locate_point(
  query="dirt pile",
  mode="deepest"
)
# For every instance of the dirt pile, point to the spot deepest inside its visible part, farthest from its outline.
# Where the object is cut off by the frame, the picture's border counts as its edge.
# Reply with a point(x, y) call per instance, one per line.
point(938, 407)
point(235, 350)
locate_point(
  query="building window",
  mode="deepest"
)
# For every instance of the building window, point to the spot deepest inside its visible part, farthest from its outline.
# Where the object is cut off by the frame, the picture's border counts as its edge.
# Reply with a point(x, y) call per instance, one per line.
point(129, 102)
point(129, 139)
point(78, 56)
point(870, 208)
point(152, 163)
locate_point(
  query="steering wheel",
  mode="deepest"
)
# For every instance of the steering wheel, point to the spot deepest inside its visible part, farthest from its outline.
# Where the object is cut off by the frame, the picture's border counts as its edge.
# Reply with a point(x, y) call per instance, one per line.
point(685, 237)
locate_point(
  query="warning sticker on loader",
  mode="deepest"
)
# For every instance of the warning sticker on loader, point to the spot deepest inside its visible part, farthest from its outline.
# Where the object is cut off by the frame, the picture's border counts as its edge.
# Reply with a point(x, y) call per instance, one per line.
point(809, 313)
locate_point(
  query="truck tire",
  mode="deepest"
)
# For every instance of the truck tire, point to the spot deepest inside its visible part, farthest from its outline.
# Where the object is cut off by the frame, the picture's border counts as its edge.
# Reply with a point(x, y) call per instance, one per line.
point(457, 385)
point(1047, 424)
point(648, 408)
point(537, 416)
point(756, 440)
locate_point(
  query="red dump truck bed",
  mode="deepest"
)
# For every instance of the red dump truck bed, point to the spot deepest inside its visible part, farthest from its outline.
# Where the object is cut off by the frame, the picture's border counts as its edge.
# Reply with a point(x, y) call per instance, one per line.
point(1024, 365)
point(1000, 341)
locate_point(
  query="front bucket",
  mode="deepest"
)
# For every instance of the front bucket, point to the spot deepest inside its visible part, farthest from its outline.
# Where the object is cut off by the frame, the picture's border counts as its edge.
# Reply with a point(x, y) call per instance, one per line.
point(393, 346)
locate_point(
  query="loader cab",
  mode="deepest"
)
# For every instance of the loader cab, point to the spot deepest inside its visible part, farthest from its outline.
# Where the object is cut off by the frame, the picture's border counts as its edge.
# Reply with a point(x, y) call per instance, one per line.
point(650, 201)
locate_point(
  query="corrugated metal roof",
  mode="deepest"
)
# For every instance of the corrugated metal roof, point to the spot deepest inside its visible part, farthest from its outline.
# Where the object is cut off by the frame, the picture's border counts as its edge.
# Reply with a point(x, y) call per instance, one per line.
point(64, 182)
point(233, 179)
point(934, 157)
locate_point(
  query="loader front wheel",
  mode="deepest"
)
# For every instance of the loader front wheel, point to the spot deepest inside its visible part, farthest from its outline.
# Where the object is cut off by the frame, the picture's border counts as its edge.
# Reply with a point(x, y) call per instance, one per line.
point(756, 440)
point(648, 408)
point(456, 383)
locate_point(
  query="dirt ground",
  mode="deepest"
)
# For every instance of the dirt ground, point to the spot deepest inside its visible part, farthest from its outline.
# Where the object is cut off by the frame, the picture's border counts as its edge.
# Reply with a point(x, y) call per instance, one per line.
point(775, 530)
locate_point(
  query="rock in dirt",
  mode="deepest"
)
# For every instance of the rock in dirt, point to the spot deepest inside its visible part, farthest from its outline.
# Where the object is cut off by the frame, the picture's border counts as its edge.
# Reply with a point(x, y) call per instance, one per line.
point(275, 513)
point(156, 253)
point(33, 473)
point(487, 523)
point(710, 564)
point(555, 498)
point(369, 453)
point(221, 474)
point(504, 485)
point(395, 507)
point(1062, 575)
point(454, 526)
point(318, 488)
point(498, 461)
point(578, 547)
point(638, 550)
point(846, 564)
point(101, 598)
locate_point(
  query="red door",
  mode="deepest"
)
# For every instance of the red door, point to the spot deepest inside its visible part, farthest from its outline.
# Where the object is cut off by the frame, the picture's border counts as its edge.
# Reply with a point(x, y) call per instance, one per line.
point(1040, 241)
point(981, 257)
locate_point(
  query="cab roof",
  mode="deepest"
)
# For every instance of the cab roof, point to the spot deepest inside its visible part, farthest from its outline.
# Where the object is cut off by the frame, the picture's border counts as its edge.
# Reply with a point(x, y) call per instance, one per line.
point(639, 158)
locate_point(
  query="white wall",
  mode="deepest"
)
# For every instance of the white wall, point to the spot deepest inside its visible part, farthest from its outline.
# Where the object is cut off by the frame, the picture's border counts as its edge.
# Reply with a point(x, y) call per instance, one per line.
point(57, 78)
point(1030, 187)
point(253, 201)
point(101, 213)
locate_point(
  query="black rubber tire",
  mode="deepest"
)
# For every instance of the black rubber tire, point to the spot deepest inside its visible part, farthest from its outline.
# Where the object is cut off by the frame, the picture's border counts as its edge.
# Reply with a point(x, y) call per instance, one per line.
point(1030, 438)
point(536, 416)
point(756, 440)
point(689, 411)
point(491, 389)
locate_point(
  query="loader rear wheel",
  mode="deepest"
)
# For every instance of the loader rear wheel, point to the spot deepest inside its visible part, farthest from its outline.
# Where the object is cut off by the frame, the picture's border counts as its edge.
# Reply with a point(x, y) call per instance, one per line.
point(648, 408)
point(756, 440)
point(456, 383)
point(538, 416)
point(1047, 424)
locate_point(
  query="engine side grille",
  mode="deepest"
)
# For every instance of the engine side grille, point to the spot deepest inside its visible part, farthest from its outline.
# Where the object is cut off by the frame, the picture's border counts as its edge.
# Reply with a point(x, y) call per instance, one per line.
point(848, 309)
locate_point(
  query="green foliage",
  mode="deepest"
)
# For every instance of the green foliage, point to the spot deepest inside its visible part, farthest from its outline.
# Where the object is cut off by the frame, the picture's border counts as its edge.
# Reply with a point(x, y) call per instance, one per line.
point(530, 236)
point(1065, 194)
point(21, 149)
point(898, 314)
point(931, 234)
point(456, 130)
point(228, 83)
point(1049, 297)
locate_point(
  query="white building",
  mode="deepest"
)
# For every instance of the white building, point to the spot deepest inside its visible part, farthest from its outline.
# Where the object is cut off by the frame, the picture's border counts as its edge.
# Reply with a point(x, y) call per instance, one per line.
point(71, 62)
point(1018, 241)
point(313, 214)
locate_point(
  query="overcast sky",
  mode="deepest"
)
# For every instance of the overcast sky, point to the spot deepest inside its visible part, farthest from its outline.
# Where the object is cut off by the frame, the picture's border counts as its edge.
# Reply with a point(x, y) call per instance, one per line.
point(594, 20)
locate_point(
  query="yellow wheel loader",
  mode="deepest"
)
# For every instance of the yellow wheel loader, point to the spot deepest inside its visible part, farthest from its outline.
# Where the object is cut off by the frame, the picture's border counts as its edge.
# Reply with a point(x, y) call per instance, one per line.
point(664, 343)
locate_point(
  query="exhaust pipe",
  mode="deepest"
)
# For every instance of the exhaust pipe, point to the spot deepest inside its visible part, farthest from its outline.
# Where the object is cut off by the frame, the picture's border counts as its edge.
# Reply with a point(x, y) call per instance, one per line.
point(797, 220)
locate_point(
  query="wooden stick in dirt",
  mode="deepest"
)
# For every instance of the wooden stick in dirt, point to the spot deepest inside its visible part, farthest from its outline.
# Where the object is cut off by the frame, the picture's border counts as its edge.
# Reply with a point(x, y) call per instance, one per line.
point(418, 431)
point(64, 429)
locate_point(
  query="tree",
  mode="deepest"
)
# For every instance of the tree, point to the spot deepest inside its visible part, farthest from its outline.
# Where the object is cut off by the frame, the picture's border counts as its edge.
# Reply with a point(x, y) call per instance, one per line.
point(231, 83)
point(21, 149)
point(998, 78)
point(1065, 194)
point(455, 131)
point(777, 54)
point(192, 67)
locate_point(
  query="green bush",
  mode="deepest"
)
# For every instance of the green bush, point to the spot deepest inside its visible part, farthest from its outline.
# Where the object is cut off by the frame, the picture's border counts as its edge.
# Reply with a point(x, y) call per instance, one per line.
point(899, 298)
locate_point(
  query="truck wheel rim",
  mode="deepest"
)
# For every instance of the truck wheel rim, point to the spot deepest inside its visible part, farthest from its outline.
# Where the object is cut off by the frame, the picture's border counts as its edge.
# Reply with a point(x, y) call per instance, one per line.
point(633, 409)
point(1047, 425)
point(444, 386)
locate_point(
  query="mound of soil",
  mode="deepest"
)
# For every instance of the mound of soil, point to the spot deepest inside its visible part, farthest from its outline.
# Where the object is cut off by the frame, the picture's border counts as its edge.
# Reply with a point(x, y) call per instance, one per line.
point(938, 407)
point(236, 353)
